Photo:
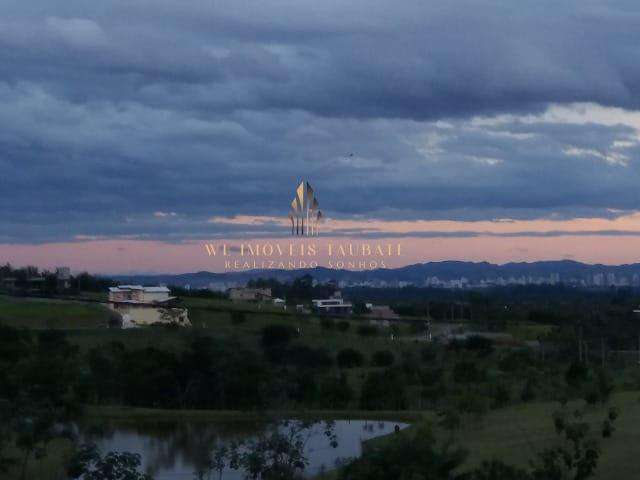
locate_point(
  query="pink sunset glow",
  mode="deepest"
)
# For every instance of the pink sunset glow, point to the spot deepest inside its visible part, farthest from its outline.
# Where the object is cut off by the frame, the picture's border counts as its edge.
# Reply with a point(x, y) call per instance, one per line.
point(608, 241)
point(135, 256)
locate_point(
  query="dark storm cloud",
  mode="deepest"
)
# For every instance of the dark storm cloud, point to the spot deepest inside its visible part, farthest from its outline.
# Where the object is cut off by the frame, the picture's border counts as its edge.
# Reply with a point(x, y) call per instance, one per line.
point(114, 110)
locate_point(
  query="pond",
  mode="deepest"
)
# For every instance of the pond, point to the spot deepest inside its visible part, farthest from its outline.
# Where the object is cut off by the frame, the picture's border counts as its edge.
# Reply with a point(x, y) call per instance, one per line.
point(174, 450)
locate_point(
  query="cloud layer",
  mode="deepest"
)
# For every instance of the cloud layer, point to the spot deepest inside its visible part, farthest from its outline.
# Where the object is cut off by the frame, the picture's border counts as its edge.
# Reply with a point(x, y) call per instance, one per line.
point(145, 119)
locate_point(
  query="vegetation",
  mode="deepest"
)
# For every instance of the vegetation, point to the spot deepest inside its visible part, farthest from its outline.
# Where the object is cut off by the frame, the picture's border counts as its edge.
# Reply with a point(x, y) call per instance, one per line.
point(479, 393)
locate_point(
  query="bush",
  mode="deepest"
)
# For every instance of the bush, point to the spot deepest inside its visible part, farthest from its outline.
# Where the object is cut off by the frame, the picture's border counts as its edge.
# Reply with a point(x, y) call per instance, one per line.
point(383, 358)
point(304, 356)
point(335, 392)
point(482, 345)
point(415, 456)
point(576, 375)
point(349, 358)
point(327, 323)
point(528, 391)
point(367, 330)
point(473, 403)
point(238, 317)
point(467, 372)
point(428, 353)
point(501, 395)
point(343, 326)
point(276, 336)
point(384, 390)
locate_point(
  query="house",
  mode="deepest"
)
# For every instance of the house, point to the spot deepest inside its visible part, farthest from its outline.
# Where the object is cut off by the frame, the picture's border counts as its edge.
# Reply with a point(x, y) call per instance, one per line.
point(245, 294)
point(139, 294)
point(334, 305)
point(139, 306)
point(8, 283)
point(63, 278)
point(280, 302)
point(139, 315)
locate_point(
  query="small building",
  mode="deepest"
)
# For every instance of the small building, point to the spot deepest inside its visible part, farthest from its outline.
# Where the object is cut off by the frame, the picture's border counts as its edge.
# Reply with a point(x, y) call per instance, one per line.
point(8, 283)
point(140, 315)
point(140, 306)
point(63, 278)
point(139, 294)
point(334, 305)
point(245, 294)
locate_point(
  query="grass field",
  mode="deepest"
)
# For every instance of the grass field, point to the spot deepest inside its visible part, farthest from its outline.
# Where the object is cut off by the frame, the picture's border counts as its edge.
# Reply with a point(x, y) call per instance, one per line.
point(514, 434)
point(86, 322)
point(49, 313)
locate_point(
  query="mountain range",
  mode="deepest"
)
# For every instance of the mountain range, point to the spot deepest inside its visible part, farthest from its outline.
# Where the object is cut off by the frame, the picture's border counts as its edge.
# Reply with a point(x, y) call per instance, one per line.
point(567, 271)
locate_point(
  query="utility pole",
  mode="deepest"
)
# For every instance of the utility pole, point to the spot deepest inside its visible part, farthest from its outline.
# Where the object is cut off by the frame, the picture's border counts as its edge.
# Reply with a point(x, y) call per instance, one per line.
point(581, 344)
point(602, 351)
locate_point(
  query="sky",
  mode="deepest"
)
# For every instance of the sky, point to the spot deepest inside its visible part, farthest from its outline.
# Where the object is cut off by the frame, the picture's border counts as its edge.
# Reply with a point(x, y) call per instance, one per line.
point(133, 131)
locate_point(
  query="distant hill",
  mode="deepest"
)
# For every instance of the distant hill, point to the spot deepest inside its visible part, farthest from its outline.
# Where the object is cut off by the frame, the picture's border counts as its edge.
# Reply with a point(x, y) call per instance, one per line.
point(566, 271)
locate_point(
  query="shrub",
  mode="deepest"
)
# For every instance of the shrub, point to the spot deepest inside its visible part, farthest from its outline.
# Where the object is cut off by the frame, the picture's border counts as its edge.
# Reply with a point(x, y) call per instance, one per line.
point(384, 390)
point(276, 336)
point(428, 353)
point(528, 391)
point(500, 395)
point(473, 403)
point(482, 345)
point(335, 392)
point(367, 330)
point(383, 358)
point(327, 323)
point(238, 317)
point(304, 356)
point(466, 372)
point(576, 375)
point(343, 326)
point(349, 358)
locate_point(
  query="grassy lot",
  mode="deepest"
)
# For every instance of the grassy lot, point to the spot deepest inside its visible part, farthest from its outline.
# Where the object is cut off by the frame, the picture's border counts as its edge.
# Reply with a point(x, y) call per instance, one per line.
point(86, 322)
point(48, 313)
point(514, 434)
point(527, 331)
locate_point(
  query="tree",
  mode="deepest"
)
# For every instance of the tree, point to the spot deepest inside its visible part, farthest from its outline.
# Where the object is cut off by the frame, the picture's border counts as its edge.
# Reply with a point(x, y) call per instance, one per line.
point(408, 457)
point(88, 463)
point(349, 358)
point(335, 392)
point(278, 453)
point(384, 391)
point(383, 358)
point(450, 419)
point(576, 458)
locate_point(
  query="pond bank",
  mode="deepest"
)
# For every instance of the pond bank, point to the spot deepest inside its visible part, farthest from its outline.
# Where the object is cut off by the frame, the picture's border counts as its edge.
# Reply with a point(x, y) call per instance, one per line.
point(115, 412)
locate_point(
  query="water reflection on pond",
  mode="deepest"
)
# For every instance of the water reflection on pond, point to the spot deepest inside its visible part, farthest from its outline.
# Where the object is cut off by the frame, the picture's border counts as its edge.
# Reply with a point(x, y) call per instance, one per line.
point(174, 450)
